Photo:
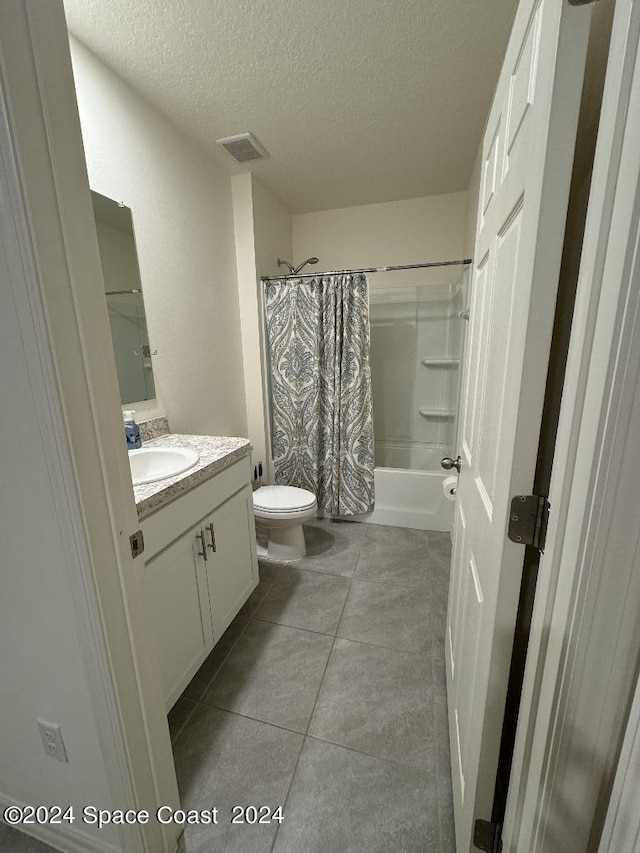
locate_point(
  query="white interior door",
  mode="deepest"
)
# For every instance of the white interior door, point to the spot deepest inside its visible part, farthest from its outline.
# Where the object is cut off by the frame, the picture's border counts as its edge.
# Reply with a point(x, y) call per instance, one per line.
point(527, 156)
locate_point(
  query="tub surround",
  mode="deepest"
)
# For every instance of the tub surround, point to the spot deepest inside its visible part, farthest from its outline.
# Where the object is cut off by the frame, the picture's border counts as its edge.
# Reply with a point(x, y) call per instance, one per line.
point(216, 454)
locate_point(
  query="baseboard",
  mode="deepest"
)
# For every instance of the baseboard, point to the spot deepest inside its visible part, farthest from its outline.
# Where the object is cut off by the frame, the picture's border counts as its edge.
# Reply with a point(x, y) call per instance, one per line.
point(62, 837)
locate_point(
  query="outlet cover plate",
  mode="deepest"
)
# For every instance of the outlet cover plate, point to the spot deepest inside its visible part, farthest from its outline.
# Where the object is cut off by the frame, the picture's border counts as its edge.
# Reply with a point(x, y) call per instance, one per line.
point(52, 740)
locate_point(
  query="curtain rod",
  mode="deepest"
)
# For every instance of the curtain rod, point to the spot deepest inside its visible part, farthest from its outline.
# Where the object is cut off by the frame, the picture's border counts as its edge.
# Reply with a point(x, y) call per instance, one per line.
point(463, 262)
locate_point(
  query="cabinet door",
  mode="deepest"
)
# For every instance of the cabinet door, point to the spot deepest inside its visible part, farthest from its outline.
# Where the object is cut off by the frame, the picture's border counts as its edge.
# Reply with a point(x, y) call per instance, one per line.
point(180, 628)
point(232, 570)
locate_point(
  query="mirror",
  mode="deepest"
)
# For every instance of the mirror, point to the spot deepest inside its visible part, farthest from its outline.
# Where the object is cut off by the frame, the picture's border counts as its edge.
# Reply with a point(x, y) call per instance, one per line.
point(123, 291)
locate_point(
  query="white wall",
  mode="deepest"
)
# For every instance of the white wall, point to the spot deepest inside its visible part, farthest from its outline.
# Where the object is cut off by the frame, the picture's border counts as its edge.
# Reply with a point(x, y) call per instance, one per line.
point(263, 234)
point(399, 232)
point(183, 222)
point(273, 231)
point(41, 665)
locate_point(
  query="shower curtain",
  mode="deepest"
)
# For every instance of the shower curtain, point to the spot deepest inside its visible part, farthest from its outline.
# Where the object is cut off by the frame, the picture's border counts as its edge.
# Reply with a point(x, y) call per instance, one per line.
point(322, 430)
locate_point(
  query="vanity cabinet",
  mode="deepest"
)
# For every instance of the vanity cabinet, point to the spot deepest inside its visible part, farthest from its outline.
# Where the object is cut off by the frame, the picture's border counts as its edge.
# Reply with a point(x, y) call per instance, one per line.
point(198, 575)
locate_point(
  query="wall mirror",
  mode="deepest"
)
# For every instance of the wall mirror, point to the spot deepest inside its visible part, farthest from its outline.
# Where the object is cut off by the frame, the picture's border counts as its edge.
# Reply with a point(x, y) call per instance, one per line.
point(125, 304)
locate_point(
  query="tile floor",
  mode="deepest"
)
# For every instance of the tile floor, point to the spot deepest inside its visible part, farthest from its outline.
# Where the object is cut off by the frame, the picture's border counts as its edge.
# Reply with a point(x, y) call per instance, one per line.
point(327, 696)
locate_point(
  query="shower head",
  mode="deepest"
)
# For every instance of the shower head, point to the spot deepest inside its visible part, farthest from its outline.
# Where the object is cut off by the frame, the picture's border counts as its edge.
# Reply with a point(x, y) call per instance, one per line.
point(303, 264)
point(295, 271)
point(286, 264)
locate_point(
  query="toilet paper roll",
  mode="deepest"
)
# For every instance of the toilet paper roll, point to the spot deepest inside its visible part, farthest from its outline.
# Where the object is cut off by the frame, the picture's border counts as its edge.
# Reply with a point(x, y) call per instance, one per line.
point(449, 487)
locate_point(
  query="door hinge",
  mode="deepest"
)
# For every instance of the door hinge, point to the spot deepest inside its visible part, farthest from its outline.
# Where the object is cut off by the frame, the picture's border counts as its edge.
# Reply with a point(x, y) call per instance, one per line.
point(487, 836)
point(136, 540)
point(528, 519)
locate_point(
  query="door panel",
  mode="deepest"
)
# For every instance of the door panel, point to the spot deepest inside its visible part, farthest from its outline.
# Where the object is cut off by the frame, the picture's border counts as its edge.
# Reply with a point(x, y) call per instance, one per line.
point(455, 597)
point(232, 569)
point(490, 397)
point(174, 592)
point(523, 81)
point(527, 159)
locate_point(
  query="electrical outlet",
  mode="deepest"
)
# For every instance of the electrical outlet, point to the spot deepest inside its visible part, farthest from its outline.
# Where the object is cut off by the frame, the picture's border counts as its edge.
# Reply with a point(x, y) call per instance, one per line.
point(52, 740)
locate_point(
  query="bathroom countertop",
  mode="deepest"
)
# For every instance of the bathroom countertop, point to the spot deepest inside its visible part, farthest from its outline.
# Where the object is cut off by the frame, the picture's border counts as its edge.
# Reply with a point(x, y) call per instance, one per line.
point(216, 452)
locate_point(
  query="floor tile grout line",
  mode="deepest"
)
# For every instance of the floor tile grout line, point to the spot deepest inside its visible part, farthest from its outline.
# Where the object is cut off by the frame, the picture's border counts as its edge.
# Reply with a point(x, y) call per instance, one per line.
point(326, 666)
point(253, 618)
point(247, 716)
point(417, 587)
point(212, 707)
point(291, 627)
point(286, 796)
point(306, 733)
point(258, 617)
point(198, 701)
point(430, 657)
point(326, 574)
point(296, 627)
point(224, 659)
point(383, 758)
point(295, 564)
point(424, 656)
point(433, 656)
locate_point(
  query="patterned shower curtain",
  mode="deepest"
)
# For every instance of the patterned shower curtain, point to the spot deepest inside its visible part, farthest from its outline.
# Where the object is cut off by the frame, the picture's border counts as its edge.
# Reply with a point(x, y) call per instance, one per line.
point(318, 332)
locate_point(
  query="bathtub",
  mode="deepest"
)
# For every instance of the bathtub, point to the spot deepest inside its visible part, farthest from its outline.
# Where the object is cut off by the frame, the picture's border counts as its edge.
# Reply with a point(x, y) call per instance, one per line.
point(410, 499)
point(407, 498)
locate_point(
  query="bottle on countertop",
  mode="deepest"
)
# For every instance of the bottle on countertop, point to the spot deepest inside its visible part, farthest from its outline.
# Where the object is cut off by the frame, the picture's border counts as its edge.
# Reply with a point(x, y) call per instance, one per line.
point(132, 431)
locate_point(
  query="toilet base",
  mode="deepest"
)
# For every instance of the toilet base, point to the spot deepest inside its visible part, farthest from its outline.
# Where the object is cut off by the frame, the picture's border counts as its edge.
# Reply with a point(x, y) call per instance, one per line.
point(285, 544)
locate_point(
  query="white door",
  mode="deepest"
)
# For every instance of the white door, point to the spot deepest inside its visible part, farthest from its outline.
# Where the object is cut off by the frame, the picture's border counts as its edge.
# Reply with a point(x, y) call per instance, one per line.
point(527, 156)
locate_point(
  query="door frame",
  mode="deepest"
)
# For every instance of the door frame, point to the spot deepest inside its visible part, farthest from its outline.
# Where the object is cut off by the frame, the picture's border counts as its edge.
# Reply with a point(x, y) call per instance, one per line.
point(580, 673)
point(56, 280)
point(622, 826)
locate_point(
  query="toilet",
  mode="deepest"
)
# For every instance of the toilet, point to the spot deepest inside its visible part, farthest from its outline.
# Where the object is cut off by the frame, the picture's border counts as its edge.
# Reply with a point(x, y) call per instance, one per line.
point(280, 512)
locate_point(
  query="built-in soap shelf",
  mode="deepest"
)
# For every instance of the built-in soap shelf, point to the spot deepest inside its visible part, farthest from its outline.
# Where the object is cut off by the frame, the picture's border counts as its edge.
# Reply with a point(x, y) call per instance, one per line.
point(440, 362)
point(437, 414)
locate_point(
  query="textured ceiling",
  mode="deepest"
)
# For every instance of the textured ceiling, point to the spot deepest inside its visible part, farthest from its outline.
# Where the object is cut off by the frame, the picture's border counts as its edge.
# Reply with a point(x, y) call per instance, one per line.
point(356, 102)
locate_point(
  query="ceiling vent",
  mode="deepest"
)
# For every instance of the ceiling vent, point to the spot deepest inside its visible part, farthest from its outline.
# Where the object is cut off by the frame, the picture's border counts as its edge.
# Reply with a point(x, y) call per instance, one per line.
point(243, 147)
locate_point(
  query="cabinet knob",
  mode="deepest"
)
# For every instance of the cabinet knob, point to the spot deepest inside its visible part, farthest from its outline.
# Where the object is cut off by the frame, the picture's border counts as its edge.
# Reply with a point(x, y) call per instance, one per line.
point(213, 537)
point(202, 553)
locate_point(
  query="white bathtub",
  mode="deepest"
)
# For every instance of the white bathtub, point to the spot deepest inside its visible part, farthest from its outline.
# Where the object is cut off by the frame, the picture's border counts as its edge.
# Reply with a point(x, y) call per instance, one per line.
point(410, 499)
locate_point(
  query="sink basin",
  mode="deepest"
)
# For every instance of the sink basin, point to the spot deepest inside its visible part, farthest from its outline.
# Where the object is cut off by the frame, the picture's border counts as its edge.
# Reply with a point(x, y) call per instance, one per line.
point(150, 464)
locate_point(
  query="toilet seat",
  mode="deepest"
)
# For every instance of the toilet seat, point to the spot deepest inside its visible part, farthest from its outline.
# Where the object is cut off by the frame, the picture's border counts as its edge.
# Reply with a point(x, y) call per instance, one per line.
point(275, 500)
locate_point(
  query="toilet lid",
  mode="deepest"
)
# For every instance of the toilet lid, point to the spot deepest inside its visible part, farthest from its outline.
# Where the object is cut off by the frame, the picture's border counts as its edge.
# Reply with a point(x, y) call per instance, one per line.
point(282, 498)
